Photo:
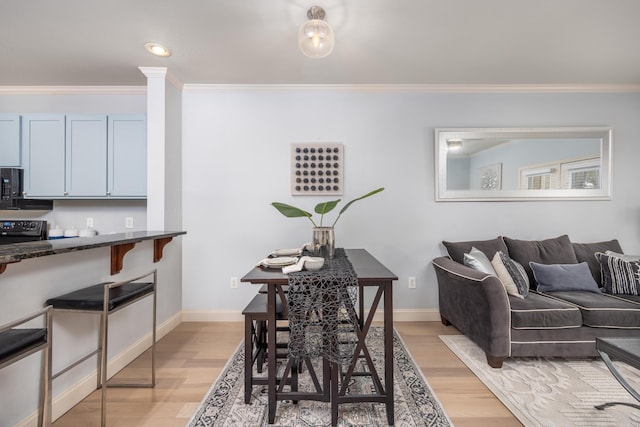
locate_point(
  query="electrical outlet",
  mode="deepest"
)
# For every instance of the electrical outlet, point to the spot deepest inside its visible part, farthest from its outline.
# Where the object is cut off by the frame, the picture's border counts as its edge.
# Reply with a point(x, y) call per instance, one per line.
point(89, 222)
point(128, 222)
point(412, 282)
point(234, 282)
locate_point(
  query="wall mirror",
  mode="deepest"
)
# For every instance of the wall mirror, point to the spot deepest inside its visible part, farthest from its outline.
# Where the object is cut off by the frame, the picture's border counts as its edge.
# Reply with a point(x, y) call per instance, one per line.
point(497, 164)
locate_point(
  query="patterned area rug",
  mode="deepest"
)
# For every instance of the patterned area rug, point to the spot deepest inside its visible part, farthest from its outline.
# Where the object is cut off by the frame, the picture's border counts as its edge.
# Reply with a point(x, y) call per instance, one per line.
point(553, 391)
point(415, 403)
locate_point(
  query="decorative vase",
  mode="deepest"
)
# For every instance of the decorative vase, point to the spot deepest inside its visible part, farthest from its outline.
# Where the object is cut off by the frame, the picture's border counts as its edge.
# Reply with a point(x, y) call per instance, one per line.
point(323, 242)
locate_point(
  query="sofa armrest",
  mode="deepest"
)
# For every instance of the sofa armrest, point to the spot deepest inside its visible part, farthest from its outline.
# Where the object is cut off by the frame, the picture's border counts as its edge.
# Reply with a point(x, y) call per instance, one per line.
point(476, 304)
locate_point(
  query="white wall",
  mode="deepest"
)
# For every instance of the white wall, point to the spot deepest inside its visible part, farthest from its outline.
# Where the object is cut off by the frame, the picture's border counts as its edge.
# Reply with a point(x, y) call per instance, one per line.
point(236, 151)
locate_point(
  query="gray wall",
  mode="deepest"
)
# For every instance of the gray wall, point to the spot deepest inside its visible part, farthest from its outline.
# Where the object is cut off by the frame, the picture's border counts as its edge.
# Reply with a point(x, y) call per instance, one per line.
point(236, 152)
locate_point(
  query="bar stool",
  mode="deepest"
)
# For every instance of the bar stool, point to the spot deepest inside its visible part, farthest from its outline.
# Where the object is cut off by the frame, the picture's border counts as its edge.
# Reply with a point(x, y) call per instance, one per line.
point(18, 343)
point(105, 299)
point(255, 339)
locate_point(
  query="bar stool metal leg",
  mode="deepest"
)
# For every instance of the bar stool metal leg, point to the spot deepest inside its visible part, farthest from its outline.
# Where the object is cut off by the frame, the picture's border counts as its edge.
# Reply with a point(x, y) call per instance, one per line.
point(46, 398)
point(104, 321)
point(111, 297)
point(17, 342)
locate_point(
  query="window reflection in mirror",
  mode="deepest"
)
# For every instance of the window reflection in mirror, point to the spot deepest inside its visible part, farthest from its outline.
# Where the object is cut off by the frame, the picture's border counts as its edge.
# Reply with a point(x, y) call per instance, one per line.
point(544, 163)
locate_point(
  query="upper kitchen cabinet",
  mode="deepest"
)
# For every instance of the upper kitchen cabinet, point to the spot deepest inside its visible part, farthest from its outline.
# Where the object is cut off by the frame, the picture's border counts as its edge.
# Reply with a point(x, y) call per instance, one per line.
point(43, 155)
point(127, 156)
point(93, 156)
point(86, 155)
point(10, 140)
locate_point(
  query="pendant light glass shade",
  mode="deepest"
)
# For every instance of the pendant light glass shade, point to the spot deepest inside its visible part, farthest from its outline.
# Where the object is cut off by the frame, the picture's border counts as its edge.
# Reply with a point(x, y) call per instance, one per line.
point(316, 37)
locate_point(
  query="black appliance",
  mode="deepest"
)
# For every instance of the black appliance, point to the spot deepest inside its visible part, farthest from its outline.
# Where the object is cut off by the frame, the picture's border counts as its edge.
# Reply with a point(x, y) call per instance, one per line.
point(22, 230)
point(11, 196)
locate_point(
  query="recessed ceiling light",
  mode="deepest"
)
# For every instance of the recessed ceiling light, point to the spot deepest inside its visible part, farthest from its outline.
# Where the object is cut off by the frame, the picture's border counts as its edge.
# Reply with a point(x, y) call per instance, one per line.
point(157, 49)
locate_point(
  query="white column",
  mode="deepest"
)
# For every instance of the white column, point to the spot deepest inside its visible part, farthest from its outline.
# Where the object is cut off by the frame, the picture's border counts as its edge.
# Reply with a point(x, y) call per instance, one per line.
point(155, 146)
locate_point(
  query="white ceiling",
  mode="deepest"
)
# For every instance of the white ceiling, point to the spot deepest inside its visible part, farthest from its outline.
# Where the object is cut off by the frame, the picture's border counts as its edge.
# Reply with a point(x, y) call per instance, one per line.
point(413, 42)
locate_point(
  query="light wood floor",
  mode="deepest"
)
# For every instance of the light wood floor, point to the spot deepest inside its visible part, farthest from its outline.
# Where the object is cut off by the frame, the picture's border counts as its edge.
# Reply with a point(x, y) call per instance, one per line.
point(191, 356)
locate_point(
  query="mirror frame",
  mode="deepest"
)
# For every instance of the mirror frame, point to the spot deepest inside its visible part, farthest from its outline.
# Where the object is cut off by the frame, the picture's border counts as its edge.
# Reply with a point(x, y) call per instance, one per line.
point(605, 134)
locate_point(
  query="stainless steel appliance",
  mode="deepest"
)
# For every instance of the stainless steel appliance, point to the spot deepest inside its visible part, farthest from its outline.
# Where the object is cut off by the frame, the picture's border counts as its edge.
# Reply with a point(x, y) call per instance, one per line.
point(22, 230)
point(12, 197)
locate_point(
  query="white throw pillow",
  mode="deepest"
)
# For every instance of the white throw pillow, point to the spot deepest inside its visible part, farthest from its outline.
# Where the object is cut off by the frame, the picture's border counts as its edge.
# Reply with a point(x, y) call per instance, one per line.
point(504, 276)
point(477, 260)
point(627, 258)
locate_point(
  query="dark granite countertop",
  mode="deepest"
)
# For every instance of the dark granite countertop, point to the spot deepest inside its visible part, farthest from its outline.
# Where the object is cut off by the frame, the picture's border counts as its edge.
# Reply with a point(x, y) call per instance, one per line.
point(18, 251)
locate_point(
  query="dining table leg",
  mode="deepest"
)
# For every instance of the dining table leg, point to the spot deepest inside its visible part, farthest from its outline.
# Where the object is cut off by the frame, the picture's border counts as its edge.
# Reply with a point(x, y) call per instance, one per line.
point(388, 350)
point(335, 367)
point(271, 349)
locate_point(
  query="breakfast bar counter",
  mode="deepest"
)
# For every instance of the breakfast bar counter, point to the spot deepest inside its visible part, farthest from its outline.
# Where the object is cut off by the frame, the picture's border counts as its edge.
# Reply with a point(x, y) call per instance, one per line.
point(120, 244)
point(34, 272)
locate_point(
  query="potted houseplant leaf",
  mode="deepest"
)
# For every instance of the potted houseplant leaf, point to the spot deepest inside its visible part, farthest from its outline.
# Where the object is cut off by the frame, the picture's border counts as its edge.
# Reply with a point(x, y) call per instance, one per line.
point(323, 236)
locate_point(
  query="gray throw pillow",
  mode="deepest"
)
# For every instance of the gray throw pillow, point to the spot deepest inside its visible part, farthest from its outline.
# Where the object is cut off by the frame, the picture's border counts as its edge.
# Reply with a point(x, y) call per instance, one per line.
point(620, 273)
point(564, 277)
point(517, 273)
point(477, 260)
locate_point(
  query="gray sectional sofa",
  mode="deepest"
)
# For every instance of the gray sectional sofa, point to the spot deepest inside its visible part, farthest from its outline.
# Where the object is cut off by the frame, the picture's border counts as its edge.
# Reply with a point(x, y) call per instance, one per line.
point(564, 320)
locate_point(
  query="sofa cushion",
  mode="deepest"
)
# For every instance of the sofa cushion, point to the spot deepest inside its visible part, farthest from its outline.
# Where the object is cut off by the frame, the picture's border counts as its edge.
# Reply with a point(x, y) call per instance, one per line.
point(456, 250)
point(602, 310)
point(586, 252)
point(619, 276)
point(477, 260)
point(511, 274)
point(635, 299)
point(564, 277)
point(538, 311)
point(551, 251)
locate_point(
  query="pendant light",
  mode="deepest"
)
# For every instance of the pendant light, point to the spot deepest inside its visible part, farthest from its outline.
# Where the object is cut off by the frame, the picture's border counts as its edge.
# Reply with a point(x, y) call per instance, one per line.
point(316, 37)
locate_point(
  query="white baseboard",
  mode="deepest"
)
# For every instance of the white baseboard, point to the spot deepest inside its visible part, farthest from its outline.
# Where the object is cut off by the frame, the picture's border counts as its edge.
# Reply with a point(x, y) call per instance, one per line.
point(399, 315)
point(74, 394)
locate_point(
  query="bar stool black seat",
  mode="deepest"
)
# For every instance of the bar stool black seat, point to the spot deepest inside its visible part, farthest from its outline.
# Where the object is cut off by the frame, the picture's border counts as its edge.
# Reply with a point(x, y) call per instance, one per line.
point(92, 297)
point(255, 339)
point(17, 343)
point(105, 299)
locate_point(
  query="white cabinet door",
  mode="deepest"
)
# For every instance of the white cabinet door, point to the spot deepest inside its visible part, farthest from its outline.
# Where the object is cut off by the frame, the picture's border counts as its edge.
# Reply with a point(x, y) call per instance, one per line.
point(10, 140)
point(127, 158)
point(43, 155)
point(86, 155)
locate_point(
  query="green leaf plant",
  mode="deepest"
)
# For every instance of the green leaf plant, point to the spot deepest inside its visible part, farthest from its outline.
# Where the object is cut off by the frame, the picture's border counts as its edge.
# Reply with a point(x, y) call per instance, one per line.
point(321, 208)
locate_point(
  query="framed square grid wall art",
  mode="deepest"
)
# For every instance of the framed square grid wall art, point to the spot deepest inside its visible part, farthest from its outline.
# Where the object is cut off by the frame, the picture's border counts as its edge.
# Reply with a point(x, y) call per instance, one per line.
point(316, 169)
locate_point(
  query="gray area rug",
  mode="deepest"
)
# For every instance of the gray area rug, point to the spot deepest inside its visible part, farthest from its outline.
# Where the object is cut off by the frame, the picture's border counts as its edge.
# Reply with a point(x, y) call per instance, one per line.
point(553, 391)
point(415, 403)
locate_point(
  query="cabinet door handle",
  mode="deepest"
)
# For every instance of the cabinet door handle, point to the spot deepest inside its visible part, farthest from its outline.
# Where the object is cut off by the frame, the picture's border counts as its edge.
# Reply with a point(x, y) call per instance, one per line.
point(65, 193)
point(108, 193)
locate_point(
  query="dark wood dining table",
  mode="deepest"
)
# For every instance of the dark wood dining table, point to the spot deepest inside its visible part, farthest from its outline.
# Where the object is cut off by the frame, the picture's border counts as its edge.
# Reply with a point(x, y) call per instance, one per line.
point(371, 274)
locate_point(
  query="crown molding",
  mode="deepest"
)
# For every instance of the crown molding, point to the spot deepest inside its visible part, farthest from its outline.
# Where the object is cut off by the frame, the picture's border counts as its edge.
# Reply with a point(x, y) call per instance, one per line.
point(273, 88)
point(73, 90)
point(399, 88)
